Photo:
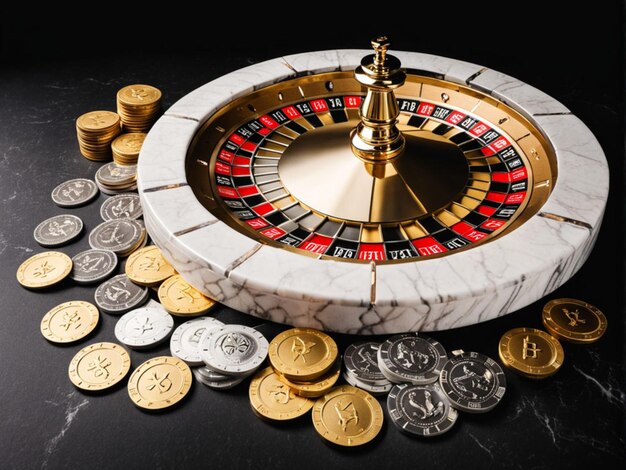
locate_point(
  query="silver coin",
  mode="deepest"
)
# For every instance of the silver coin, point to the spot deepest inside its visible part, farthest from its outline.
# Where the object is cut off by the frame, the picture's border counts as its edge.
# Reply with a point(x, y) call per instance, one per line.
point(74, 192)
point(233, 349)
point(185, 341)
point(472, 382)
point(115, 175)
point(119, 295)
point(120, 236)
point(58, 230)
point(421, 410)
point(122, 206)
point(218, 384)
point(361, 361)
point(373, 389)
point(93, 266)
point(411, 358)
point(144, 327)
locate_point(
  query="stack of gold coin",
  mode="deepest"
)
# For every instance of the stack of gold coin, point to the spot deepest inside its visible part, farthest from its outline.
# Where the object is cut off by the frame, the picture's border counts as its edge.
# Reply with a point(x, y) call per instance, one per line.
point(138, 107)
point(126, 148)
point(306, 361)
point(96, 130)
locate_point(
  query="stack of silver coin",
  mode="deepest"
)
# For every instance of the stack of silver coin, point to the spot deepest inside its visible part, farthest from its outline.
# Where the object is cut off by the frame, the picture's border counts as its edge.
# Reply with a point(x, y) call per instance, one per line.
point(113, 178)
point(361, 368)
point(226, 354)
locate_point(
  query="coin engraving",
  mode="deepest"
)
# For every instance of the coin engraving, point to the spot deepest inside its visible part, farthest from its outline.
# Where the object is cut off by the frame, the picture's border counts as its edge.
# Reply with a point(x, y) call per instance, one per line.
point(99, 367)
point(346, 413)
point(529, 349)
point(301, 348)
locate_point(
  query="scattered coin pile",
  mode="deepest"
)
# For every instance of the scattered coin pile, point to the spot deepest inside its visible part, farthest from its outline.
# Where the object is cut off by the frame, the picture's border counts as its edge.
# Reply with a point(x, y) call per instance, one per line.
point(95, 131)
point(138, 107)
point(126, 148)
point(536, 354)
point(114, 178)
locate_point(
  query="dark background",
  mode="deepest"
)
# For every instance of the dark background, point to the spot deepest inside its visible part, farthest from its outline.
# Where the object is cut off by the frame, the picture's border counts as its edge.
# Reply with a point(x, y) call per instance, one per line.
point(52, 70)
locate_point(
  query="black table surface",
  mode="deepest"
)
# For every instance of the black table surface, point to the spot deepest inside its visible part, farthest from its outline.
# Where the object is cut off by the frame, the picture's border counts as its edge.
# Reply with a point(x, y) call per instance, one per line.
point(575, 418)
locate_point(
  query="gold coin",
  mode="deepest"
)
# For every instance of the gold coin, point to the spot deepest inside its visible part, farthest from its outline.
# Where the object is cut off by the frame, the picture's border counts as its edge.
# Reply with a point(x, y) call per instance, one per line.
point(270, 398)
point(128, 144)
point(316, 388)
point(347, 416)
point(531, 352)
point(574, 320)
point(302, 354)
point(69, 321)
point(159, 382)
point(147, 267)
point(97, 121)
point(139, 95)
point(180, 298)
point(99, 366)
point(44, 269)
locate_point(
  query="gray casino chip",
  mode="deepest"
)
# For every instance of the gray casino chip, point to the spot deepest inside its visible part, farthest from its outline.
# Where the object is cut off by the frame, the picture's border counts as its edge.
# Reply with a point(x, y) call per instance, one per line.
point(411, 358)
point(93, 266)
point(74, 192)
point(58, 230)
point(473, 382)
point(421, 410)
point(119, 295)
point(361, 362)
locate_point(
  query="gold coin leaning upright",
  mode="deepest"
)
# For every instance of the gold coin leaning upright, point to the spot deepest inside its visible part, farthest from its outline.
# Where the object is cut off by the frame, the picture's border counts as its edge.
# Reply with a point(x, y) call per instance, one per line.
point(574, 320)
point(270, 398)
point(44, 269)
point(316, 388)
point(347, 416)
point(180, 298)
point(69, 321)
point(99, 366)
point(97, 121)
point(159, 382)
point(302, 354)
point(531, 352)
point(139, 95)
point(148, 267)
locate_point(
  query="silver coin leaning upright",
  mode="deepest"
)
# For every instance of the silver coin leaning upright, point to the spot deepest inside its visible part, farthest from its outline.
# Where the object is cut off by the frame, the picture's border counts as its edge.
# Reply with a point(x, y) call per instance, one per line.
point(93, 266)
point(144, 327)
point(58, 230)
point(185, 341)
point(122, 206)
point(233, 349)
point(75, 192)
point(119, 236)
point(119, 295)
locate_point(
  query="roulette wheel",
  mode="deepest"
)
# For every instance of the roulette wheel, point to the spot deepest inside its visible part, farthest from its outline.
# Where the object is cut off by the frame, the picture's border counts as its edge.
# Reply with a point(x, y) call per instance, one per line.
point(369, 192)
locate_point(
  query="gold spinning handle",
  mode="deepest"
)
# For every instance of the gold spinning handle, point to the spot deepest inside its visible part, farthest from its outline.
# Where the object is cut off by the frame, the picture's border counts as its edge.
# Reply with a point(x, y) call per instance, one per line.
point(377, 138)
